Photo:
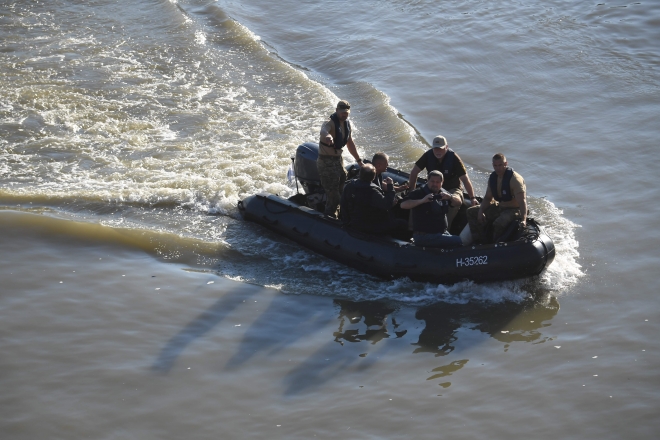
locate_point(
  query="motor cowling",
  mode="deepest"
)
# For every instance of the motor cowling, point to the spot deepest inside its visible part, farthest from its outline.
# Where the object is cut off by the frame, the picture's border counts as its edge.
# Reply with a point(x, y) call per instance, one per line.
point(305, 168)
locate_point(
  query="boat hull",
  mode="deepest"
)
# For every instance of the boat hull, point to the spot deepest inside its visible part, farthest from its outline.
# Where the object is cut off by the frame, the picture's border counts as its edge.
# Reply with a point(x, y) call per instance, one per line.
point(389, 258)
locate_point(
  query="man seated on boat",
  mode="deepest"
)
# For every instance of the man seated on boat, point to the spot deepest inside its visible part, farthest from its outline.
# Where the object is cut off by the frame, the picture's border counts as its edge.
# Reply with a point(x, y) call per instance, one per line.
point(429, 205)
point(442, 158)
point(505, 201)
point(366, 207)
point(336, 133)
point(381, 161)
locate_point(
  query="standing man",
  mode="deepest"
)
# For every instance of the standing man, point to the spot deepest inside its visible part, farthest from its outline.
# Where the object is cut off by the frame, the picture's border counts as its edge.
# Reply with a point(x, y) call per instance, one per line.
point(440, 157)
point(335, 135)
point(429, 206)
point(507, 188)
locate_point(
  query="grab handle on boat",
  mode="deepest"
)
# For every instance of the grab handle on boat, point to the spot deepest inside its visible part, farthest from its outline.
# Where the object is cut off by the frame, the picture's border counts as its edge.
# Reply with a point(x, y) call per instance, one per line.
point(336, 246)
point(295, 229)
point(272, 222)
point(364, 257)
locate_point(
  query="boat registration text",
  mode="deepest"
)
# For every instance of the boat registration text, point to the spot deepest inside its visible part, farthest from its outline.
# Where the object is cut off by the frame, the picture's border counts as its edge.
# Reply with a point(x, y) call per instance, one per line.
point(472, 261)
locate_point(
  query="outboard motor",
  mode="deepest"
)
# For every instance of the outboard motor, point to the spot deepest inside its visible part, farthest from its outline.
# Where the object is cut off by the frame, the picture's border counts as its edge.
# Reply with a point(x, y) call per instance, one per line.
point(308, 175)
point(305, 167)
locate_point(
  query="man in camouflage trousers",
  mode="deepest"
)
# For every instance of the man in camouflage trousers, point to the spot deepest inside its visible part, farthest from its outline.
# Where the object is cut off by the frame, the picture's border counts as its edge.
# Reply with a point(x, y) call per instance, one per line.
point(335, 135)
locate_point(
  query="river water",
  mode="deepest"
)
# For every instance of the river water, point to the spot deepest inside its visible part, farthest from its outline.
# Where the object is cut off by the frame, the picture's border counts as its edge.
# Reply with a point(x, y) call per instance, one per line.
point(136, 303)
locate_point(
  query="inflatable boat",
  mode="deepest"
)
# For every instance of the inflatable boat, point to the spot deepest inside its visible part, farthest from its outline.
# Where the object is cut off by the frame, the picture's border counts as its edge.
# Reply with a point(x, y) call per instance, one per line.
point(524, 253)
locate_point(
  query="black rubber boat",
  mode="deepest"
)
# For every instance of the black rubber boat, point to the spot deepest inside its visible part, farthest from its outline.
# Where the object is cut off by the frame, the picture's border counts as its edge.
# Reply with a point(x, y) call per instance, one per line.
point(525, 253)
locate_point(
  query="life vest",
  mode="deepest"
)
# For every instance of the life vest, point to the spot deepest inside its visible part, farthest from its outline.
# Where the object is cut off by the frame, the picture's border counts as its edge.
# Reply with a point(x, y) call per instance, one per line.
point(445, 166)
point(340, 137)
point(430, 217)
point(506, 186)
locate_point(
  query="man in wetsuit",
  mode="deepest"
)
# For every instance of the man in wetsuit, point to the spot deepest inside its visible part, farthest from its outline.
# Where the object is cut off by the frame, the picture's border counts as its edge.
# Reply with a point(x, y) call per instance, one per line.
point(429, 205)
point(504, 202)
point(366, 207)
point(442, 158)
point(335, 135)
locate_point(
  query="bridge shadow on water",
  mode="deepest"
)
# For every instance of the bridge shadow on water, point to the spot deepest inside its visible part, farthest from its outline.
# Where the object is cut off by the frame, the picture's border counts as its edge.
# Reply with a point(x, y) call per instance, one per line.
point(279, 324)
point(200, 326)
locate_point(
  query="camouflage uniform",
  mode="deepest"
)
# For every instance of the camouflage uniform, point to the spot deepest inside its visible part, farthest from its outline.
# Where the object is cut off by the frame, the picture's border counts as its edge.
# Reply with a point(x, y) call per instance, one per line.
point(333, 176)
point(496, 215)
point(330, 165)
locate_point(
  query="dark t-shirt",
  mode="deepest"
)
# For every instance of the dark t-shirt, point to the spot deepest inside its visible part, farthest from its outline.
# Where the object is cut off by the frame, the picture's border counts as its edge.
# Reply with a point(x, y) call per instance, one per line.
point(428, 217)
point(452, 179)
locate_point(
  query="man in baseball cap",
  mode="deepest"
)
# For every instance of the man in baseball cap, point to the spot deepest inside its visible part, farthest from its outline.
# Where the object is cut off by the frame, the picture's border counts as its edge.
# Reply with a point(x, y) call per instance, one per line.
point(442, 158)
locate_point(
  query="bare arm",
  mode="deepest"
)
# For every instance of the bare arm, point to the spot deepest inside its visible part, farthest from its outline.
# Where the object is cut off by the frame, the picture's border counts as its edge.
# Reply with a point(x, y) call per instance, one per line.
point(469, 189)
point(412, 181)
point(410, 204)
point(351, 149)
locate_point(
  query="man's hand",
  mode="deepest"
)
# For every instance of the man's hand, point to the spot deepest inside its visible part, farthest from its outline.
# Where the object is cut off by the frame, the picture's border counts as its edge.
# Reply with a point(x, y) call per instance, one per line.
point(329, 141)
point(401, 187)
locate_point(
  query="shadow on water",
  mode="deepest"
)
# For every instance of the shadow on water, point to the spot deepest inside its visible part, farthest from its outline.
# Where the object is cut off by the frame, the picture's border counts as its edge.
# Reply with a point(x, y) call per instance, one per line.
point(328, 362)
point(199, 326)
point(448, 329)
point(276, 328)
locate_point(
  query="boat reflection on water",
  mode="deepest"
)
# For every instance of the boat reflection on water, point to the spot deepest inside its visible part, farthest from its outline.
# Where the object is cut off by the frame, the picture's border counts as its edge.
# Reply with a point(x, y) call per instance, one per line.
point(449, 328)
point(375, 315)
point(507, 322)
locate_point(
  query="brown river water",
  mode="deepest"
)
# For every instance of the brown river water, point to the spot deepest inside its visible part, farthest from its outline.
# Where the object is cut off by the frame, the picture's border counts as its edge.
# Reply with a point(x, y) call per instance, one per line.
point(136, 303)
